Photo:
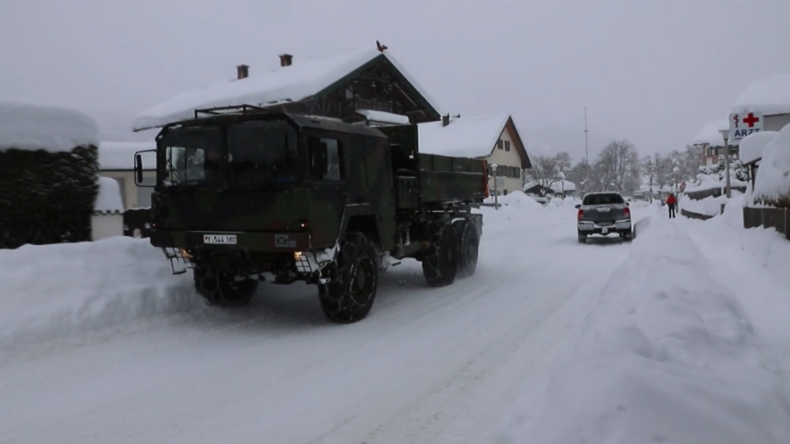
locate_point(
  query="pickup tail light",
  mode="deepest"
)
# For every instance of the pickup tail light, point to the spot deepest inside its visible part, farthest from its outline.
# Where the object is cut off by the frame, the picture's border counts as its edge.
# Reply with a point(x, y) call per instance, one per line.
point(580, 215)
point(627, 211)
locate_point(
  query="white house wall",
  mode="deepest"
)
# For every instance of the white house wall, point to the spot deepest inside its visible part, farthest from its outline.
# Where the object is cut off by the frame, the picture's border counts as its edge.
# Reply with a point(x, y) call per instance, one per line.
point(131, 193)
point(506, 158)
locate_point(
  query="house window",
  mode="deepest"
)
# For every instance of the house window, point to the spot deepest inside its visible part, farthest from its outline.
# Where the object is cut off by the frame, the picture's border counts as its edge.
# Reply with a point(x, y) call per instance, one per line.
point(325, 159)
point(507, 145)
point(499, 144)
point(501, 171)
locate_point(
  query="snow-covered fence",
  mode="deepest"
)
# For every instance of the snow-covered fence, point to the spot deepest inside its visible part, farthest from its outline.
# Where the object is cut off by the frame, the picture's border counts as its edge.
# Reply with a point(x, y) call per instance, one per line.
point(137, 222)
point(778, 218)
point(711, 192)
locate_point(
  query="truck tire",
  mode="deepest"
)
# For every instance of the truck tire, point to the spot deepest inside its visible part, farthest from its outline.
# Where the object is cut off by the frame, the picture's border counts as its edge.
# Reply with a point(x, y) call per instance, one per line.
point(349, 296)
point(468, 247)
point(223, 289)
point(440, 263)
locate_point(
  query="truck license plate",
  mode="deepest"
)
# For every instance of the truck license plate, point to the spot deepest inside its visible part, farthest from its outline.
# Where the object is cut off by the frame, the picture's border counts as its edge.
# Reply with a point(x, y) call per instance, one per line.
point(225, 239)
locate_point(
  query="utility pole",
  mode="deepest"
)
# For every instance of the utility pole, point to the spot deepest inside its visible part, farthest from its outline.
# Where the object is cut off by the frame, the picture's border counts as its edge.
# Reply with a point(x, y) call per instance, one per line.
point(586, 147)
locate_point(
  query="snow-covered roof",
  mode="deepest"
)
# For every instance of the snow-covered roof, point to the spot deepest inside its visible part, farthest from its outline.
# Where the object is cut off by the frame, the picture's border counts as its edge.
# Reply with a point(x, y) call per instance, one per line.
point(109, 198)
point(120, 155)
point(710, 132)
point(770, 96)
point(464, 136)
point(557, 187)
point(751, 147)
point(773, 177)
point(55, 129)
point(384, 117)
point(303, 79)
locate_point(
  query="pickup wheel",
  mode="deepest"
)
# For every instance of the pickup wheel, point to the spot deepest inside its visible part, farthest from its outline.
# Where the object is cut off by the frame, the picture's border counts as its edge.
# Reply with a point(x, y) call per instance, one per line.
point(469, 247)
point(582, 238)
point(349, 296)
point(223, 289)
point(441, 261)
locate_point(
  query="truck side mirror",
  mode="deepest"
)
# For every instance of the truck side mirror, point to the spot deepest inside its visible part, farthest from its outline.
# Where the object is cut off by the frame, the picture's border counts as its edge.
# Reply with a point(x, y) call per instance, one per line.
point(138, 169)
point(578, 206)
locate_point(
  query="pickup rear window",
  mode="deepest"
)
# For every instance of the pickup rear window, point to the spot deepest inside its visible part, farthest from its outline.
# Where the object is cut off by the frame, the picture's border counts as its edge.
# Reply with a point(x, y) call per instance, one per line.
point(603, 199)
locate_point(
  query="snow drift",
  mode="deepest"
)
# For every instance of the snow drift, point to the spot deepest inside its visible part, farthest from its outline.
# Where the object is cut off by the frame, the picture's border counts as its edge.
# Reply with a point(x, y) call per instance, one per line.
point(52, 291)
point(667, 355)
point(773, 177)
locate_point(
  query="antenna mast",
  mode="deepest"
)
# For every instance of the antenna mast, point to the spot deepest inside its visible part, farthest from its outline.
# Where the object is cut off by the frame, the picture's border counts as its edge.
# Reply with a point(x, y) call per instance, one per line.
point(586, 148)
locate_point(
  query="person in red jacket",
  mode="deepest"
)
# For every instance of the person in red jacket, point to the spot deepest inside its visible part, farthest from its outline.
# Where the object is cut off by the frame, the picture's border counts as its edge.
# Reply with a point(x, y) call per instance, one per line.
point(671, 202)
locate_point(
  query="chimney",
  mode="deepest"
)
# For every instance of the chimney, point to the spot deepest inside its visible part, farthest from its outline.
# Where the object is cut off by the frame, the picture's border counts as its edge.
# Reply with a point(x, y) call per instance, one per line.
point(446, 120)
point(286, 59)
point(242, 71)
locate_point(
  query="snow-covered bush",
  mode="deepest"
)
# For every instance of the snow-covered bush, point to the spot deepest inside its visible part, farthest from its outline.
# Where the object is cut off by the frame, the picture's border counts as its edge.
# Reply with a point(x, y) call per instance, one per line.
point(49, 169)
point(772, 184)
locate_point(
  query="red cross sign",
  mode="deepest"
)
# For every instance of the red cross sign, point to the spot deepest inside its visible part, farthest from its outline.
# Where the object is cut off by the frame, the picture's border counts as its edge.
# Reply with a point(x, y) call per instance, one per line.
point(751, 120)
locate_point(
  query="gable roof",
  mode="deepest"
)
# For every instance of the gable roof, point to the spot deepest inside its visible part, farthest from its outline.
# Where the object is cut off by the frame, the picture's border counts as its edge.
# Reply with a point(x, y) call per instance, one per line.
point(709, 133)
point(304, 79)
point(474, 136)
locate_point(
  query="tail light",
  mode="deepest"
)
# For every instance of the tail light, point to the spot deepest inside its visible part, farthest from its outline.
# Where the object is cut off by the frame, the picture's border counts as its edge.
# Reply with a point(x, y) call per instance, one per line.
point(580, 215)
point(485, 179)
point(627, 211)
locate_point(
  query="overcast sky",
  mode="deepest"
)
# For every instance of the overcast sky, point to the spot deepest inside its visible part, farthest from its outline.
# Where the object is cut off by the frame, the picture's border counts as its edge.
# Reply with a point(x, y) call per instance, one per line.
point(651, 71)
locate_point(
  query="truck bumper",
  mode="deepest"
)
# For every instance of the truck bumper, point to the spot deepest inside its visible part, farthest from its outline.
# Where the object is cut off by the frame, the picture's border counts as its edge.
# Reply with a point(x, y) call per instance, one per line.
point(232, 241)
point(603, 228)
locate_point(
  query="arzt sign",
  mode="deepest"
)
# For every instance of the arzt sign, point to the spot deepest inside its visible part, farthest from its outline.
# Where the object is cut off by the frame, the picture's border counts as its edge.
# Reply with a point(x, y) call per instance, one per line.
point(743, 124)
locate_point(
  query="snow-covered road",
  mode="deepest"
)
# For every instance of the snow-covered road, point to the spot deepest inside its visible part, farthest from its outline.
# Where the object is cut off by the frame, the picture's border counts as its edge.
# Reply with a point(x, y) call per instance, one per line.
point(428, 365)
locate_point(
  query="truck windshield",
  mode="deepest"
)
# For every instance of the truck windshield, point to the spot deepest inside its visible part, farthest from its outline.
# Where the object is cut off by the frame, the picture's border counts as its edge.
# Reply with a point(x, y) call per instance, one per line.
point(262, 152)
point(192, 156)
point(603, 199)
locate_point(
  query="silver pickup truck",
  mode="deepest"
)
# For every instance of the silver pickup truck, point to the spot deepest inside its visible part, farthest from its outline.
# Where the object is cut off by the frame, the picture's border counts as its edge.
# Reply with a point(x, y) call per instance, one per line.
point(604, 213)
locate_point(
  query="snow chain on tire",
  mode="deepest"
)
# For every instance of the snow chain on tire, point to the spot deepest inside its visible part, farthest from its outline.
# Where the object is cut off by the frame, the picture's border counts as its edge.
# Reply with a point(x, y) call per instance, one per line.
point(440, 264)
point(349, 295)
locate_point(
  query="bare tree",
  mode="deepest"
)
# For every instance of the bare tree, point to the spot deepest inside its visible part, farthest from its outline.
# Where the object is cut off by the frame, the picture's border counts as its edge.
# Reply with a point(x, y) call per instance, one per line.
point(618, 164)
point(663, 166)
point(582, 175)
point(545, 169)
point(649, 169)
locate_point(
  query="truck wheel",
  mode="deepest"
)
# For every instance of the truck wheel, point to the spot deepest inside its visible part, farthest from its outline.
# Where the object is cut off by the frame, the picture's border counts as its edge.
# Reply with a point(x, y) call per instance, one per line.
point(469, 245)
point(582, 238)
point(349, 296)
point(223, 289)
point(440, 264)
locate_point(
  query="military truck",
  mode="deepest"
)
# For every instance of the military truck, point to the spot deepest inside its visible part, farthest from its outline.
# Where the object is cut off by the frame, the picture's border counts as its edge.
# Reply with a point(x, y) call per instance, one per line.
point(246, 196)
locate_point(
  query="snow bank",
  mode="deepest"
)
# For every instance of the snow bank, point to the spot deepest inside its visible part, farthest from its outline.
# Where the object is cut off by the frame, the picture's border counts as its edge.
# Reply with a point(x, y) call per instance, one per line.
point(36, 127)
point(770, 95)
point(773, 176)
point(109, 199)
point(667, 355)
point(709, 206)
point(751, 147)
point(58, 290)
point(520, 201)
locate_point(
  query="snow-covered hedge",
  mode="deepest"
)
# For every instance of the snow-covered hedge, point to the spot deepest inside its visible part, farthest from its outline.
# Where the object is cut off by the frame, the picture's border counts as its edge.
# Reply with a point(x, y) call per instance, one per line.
point(49, 170)
point(772, 184)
